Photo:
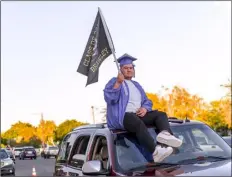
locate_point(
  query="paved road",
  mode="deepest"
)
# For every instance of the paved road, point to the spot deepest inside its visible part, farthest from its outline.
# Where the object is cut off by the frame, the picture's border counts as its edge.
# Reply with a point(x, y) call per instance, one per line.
point(43, 167)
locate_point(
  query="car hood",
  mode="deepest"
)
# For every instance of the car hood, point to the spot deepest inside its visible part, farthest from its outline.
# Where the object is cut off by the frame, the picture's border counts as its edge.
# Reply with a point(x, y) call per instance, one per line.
point(219, 168)
point(6, 159)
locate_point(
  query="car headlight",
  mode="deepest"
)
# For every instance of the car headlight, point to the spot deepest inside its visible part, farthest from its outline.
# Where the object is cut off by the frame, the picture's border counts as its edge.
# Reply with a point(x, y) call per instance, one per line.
point(6, 163)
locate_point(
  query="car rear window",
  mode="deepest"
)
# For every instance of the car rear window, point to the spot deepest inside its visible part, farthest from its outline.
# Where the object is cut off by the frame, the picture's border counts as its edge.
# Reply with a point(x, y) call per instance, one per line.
point(18, 150)
point(29, 149)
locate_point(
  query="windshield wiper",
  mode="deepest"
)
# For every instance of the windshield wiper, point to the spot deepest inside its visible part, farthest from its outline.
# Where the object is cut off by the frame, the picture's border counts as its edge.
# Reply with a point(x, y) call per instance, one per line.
point(163, 165)
point(217, 157)
point(201, 158)
point(182, 162)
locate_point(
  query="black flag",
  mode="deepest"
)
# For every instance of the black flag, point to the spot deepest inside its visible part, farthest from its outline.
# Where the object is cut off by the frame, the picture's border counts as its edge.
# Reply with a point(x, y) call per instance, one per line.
point(98, 48)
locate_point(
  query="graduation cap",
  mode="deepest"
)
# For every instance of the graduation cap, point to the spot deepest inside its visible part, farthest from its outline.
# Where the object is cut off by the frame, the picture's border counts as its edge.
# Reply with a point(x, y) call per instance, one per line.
point(126, 59)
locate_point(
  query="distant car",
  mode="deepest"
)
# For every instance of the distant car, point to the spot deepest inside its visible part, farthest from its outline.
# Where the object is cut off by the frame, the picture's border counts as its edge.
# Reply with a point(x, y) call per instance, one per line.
point(228, 140)
point(7, 164)
point(28, 153)
point(51, 151)
point(17, 151)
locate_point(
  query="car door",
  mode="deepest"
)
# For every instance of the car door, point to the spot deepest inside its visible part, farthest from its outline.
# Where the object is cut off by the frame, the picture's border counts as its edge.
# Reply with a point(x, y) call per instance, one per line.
point(79, 153)
point(64, 151)
point(102, 149)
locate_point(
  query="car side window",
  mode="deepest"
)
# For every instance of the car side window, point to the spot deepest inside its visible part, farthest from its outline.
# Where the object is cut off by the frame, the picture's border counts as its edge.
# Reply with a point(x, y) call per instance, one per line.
point(99, 150)
point(78, 154)
point(64, 149)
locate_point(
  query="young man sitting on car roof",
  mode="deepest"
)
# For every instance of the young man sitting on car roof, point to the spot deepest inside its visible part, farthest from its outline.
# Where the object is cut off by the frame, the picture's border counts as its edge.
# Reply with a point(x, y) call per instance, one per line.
point(133, 112)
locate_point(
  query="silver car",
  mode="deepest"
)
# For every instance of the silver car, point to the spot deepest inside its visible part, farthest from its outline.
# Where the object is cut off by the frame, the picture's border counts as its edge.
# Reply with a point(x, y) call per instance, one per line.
point(51, 151)
point(7, 164)
point(17, 151)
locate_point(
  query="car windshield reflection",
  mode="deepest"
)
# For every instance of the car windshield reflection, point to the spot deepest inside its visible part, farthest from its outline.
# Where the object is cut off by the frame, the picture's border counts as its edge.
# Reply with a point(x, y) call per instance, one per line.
point(198, 141)
point(3, 155)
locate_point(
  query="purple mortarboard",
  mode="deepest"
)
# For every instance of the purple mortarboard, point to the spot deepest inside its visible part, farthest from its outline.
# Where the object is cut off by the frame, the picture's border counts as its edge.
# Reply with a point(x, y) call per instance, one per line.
point(126, 59)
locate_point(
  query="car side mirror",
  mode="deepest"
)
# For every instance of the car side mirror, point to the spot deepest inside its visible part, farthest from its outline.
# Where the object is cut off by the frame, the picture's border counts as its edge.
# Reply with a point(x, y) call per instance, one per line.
point(94, 167)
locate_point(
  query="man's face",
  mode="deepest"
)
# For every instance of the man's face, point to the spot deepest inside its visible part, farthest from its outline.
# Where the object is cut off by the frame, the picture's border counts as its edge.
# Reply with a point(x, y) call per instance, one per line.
point(128, 71)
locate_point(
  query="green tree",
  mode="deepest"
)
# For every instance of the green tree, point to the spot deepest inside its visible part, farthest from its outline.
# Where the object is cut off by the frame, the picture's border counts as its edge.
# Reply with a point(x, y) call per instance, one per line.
point(65, 127)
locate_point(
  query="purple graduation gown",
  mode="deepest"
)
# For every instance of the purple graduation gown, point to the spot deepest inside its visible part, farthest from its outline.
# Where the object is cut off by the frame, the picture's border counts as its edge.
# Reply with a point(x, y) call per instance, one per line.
point(117, 101)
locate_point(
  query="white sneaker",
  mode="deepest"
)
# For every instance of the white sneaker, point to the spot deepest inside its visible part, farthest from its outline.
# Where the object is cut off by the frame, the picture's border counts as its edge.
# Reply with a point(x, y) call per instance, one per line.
point(165, 137)
point(161, 153)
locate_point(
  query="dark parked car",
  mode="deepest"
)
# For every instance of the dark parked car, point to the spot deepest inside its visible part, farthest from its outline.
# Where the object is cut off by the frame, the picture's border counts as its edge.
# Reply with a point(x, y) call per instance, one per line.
point(7, 164)
point(97, 150)
point(28, 153)
point(228, 140)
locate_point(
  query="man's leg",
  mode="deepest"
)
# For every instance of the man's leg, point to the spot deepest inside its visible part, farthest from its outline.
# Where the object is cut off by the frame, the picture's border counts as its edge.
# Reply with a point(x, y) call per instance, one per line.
point(132, 123)
point(160, 121)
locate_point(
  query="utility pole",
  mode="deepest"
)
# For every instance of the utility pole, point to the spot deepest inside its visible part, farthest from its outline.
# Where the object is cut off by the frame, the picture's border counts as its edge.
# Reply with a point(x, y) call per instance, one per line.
point(41, 118)
point(41, 114)
point(92, 107)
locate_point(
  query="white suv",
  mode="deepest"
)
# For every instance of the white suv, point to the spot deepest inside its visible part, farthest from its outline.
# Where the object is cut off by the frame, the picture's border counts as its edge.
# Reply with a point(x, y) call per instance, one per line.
point(51, 151)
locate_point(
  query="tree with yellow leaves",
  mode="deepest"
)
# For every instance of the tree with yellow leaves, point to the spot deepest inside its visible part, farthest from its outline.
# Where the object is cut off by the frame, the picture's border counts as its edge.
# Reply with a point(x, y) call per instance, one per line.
point(45, 131)
point(177, 102)
point(20, 132)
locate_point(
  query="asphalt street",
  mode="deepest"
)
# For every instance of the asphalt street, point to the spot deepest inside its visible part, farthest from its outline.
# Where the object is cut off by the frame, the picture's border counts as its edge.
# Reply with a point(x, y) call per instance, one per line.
point(43, 167)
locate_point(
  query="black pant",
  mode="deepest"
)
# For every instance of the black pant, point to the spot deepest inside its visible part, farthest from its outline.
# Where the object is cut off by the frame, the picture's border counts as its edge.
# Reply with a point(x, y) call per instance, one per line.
point(134, 124)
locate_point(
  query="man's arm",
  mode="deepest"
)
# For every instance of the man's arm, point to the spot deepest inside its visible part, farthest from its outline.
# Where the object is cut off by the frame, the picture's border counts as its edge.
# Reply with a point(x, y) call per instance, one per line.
point(147, 104)
point(112, 91)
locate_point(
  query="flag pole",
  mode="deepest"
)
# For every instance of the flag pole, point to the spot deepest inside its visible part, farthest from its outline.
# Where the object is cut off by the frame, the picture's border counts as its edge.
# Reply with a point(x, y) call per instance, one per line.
point(111, 45)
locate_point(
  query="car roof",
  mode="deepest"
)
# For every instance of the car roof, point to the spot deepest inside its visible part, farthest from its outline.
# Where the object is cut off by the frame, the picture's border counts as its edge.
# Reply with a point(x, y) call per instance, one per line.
point(172, 120)
point(28, 148)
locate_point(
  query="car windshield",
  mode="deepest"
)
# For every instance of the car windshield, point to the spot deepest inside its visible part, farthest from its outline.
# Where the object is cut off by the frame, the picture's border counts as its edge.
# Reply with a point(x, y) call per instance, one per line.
point(9, 153)
point(198, 140)
point(29, 149)
point(228, 140)
point(18, 150)
point(53, 148)
point(3, 154)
